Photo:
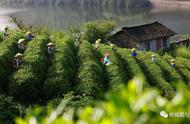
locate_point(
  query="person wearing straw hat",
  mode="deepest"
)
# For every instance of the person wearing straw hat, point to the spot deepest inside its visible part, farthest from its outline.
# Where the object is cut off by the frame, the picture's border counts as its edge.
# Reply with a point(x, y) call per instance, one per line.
point(106, 60)
point(133, 52)
point(112, 46)
point(153, 58)
point(97, 44)
point(5, 32)
point(173, 64)
point(18, 60)
point(51, 48)
point(21, 44)
point(29, 36)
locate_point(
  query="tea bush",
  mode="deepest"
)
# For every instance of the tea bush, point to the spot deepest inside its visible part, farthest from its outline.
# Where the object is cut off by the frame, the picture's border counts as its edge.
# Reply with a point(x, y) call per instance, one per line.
point(26, 82)
point(62, 71)
point(90, 80)
point(114, 71)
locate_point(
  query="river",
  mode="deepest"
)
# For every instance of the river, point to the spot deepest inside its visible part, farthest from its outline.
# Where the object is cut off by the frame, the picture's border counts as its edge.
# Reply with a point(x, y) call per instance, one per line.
point(62, 17)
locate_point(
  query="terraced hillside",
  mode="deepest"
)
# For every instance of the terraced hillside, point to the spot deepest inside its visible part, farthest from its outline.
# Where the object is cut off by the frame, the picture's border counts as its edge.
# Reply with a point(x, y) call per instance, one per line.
point(79, 69)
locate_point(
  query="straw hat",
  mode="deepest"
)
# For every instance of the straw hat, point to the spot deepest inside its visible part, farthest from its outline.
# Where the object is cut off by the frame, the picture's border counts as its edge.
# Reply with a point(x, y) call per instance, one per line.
point(98, 41)
point(133, 49)
point(153, 55)
point(6, 27)
point(29, 32)
point(18, 55)
point(21, 41)
point(112, 45)
point(50, 44)
point(173, 60)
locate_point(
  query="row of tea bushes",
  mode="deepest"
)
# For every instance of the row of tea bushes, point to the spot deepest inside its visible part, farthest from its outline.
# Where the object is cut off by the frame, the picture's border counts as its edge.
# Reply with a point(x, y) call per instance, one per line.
point(62, 71)
point(25, 83)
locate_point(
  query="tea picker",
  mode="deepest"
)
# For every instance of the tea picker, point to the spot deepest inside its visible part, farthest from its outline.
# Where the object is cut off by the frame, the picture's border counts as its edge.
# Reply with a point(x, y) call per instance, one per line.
point(97, 44)
point(21, 44)
point(51, 48)
point(29, 36)
point(173, 64)
point(106, 60)
point(112, 47)
point(133, 52)
point(18, 60)
point(153, 58)
point(5, 32)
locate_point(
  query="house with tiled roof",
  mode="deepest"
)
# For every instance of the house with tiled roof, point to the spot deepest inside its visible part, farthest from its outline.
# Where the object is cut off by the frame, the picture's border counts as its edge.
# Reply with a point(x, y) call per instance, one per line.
point(153, 36)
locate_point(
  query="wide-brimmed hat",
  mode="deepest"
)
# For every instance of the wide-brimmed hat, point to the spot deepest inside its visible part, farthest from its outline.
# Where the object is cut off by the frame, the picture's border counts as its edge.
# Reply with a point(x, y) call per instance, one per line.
point(6, 27)
point(50, 44)
point(112, 45)
point(98, 41)
point(18, 55)
point(21, 41)
point(29, 32)
point(173, 60)
point(133, 49)
point(153, 55)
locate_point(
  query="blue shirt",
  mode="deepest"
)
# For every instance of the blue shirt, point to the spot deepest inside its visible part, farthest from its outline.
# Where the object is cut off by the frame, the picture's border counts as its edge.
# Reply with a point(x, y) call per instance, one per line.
point(30, 37)
point(51, 50)
point(134, 54)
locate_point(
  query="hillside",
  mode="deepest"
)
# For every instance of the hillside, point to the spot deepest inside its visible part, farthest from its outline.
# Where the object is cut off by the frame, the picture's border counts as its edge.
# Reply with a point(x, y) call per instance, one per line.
point(78, 69)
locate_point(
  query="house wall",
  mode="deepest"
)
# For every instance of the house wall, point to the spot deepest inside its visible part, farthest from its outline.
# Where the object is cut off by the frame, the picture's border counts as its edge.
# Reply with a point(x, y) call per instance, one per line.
point(125, 41)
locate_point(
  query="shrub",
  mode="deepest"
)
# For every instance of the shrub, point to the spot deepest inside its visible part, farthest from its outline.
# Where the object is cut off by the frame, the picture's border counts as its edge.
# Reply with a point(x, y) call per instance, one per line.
point(8, 49)
point(154, 75)
point(98, 29)
point(8, 110)
point(114, 72)
point(90, 72)
point(182, 52)
point(168, 72)
point(62, 71)
point(184, 72)
point(131, 66)
point(26, 82)
point(132, 105)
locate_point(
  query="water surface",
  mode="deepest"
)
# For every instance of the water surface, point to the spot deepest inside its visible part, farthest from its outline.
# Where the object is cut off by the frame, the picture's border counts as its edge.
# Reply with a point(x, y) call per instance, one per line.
point(64, 16)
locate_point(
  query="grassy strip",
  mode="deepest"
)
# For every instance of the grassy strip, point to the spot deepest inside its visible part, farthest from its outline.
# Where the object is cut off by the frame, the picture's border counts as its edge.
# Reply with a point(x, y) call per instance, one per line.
point(155, 76)
point(169, 73)
point(8, 48)
point(184, 72)
point(25, 82)
point(131, 67)
point(115, 72)
point(62, 71)
point(90, 75)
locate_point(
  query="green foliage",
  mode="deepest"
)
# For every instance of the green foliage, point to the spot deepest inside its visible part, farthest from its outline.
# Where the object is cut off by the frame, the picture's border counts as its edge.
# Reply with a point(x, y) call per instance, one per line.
point(26, 82)
point(183, 71)
point(169, 73)
point(154, 75)
point(90, 75)
point(8, 110)
point(115, 74)
point(98, 29)
point(8, 49)
point(182, 52)
point(132, 68)
point(61, 73)
point(132, 105)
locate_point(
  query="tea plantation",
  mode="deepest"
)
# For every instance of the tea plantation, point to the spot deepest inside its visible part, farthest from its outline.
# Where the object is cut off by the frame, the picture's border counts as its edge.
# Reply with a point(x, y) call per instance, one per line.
point(78, 69)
